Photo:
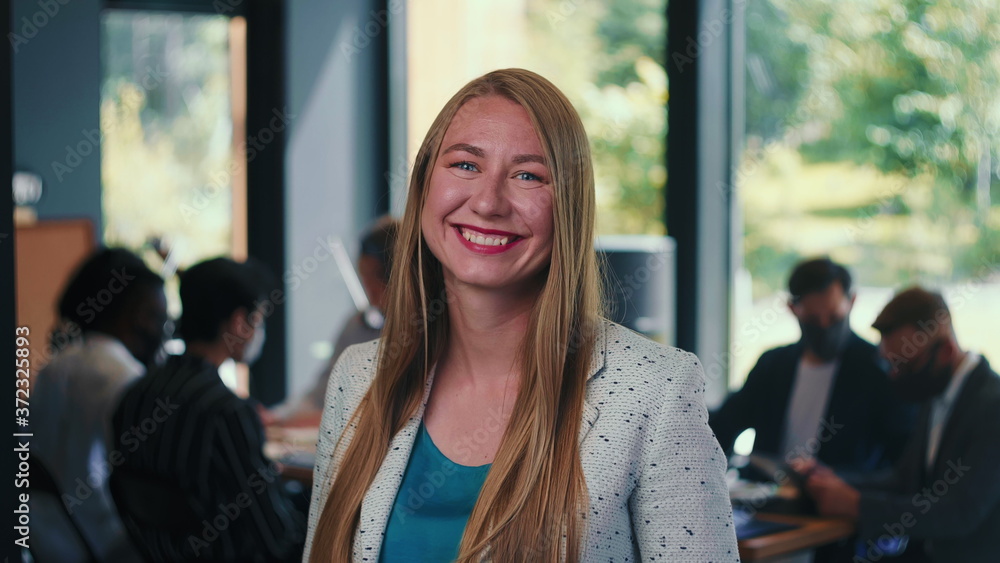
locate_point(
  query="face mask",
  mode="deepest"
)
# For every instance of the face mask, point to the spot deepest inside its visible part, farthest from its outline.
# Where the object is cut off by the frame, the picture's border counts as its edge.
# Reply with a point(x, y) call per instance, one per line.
point(826, 343)
point(251, 352)
point(925, 383)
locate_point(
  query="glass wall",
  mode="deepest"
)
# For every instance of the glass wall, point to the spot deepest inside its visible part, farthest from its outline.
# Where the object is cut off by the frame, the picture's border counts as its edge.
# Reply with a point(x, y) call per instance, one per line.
point(606, 56)
point(873, 136)
point(174, 144)
point(168, 165)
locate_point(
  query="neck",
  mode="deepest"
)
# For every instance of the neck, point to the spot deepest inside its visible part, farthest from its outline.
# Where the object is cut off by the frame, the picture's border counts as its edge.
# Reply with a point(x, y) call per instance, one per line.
point(212, 352)
point(960, 357)
point(812, 359)
point(485, 333)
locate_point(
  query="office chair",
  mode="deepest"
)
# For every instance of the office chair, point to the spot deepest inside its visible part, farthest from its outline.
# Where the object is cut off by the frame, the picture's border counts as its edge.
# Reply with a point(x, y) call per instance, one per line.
point(44, 485)
point(148, 502)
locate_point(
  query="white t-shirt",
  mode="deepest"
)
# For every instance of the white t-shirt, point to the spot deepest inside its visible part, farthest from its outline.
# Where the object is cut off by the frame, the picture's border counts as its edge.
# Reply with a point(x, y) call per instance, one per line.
point(72, 401)
point(806, 408)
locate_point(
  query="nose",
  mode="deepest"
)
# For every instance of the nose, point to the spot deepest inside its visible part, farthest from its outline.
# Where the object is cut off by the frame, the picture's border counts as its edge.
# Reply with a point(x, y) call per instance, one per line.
point(490, 198)
point(830, 319)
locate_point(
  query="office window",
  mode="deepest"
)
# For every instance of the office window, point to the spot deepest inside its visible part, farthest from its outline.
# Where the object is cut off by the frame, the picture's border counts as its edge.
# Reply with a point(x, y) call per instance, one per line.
point(608, 57)
point(872, 135)
point(172, 102)
point(173, 170)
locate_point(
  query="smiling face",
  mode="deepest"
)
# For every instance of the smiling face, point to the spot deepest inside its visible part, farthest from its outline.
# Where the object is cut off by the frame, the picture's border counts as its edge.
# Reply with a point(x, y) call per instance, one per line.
point(488, 211)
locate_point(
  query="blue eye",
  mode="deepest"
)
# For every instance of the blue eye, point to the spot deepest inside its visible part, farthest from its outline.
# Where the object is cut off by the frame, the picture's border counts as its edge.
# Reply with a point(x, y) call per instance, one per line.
point(528, 177)
point(464, 165)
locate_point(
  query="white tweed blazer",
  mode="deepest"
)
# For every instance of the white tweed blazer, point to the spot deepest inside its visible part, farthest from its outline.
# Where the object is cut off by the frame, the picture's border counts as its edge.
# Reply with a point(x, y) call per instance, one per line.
point(653, 469)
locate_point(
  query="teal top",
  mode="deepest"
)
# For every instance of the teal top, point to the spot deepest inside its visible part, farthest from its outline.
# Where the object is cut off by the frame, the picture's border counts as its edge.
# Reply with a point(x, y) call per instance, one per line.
point(432, 506)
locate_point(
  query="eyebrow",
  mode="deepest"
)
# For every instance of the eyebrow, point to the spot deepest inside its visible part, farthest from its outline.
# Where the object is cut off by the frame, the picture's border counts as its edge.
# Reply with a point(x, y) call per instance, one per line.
point(522, 158)
point(471, 149)
point(478, 152)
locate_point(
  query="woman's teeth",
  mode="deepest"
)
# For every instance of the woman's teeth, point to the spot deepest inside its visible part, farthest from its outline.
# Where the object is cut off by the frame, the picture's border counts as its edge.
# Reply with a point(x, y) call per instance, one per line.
point(485, 241)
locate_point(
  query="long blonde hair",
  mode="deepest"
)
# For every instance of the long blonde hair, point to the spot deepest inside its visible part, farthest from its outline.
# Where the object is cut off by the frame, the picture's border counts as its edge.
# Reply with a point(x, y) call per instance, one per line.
point(533, 502)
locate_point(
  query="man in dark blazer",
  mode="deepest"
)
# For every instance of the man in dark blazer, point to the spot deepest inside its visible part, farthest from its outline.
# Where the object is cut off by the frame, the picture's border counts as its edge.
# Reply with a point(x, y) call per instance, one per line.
point(826, 396)
point(182, 426)
point(943, 499)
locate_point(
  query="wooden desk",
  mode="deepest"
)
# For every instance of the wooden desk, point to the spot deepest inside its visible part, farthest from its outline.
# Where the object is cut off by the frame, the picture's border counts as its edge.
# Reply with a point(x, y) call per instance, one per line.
point(814, 532)
point(298, 473)
point(287, 442)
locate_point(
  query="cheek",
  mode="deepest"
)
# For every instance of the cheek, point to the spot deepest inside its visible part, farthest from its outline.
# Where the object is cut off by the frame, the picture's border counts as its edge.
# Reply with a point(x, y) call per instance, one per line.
point(536, 210)
point(443, 197)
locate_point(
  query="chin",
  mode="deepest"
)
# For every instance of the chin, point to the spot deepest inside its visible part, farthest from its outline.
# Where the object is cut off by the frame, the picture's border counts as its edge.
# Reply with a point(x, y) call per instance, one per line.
point(500, 281)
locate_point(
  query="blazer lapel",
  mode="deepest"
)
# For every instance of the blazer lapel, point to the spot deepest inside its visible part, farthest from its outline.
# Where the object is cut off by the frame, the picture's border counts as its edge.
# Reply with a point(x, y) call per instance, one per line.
point(377, 506)
point(916, 471)
point(958, 417)
point(597, 360)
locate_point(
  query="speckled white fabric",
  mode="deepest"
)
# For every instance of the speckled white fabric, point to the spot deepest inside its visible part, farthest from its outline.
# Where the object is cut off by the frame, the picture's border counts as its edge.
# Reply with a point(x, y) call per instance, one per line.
point(654, 471)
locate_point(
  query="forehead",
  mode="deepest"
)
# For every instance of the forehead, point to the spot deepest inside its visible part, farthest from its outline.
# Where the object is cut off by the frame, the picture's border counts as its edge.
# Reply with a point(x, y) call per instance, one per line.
point(828, 299)
point(492, 122)
point(899, 336)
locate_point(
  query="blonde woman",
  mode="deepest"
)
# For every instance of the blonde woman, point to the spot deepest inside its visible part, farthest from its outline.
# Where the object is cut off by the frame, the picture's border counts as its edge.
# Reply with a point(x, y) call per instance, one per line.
point(499, 417)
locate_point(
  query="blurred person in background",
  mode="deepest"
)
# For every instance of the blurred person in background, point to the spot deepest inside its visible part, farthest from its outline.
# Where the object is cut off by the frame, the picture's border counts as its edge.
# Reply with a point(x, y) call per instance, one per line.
point(208, 442)
point(826, 396)
point(118, 307)
point(942, 502)
point(374, 268)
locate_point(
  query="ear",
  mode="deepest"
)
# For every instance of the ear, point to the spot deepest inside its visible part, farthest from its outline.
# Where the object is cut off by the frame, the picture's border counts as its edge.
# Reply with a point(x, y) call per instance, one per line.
point(853, 297)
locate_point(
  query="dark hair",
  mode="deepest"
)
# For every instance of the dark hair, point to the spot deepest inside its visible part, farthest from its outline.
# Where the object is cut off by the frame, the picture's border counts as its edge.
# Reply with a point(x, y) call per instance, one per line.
point(104, 287)
point(914, 306)
point(212, 290)
point(377, 242)
point(817, 274)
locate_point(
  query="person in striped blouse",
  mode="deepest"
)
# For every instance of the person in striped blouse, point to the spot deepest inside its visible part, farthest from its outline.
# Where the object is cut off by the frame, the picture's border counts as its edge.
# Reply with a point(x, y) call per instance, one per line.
point(181, 424)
